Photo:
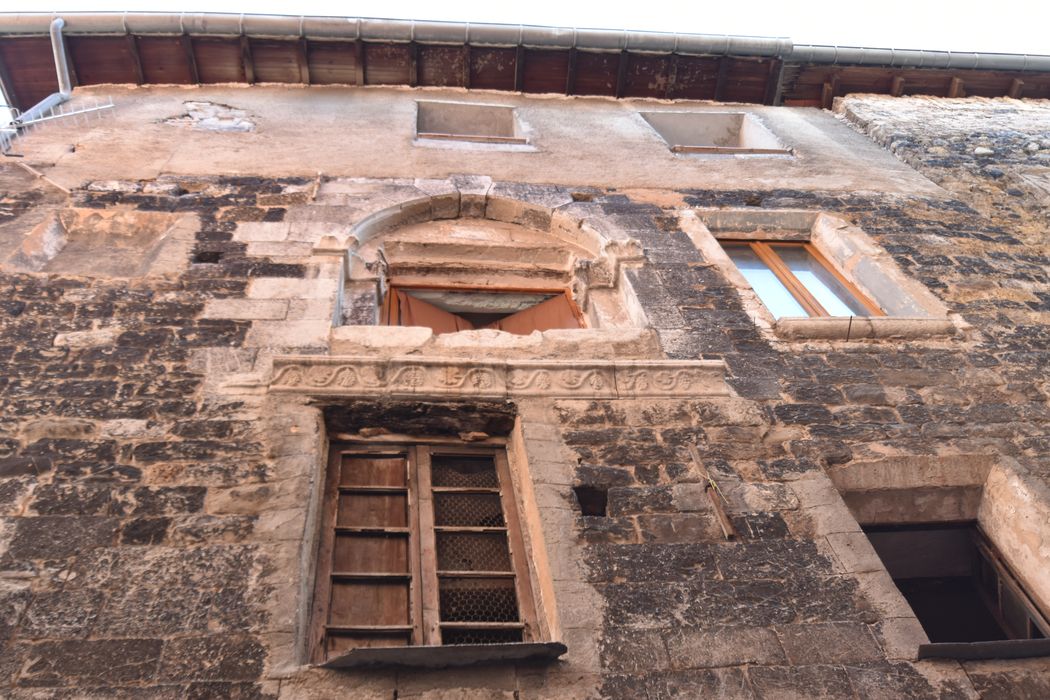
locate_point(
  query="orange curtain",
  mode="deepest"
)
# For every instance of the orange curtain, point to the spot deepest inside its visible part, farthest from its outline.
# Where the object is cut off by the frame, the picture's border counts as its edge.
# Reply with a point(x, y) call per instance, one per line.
point(556, 312)
point(406, 310)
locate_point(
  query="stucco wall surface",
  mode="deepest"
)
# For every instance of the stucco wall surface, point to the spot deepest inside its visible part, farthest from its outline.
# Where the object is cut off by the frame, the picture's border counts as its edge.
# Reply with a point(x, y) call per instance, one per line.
point(371, 133)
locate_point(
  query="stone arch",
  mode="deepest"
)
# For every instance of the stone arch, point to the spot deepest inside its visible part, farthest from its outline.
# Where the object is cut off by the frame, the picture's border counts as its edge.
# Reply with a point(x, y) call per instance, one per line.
point(600, 250)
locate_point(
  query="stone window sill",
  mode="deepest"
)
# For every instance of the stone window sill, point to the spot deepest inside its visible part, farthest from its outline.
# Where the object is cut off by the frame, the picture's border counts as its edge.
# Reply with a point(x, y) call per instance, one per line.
point(1005, 649)
point(862, 328)
point(433, 657)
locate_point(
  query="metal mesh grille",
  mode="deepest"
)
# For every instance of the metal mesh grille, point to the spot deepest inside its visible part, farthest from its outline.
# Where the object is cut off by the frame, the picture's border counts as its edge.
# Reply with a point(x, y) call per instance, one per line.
point(463, 471)
point(470, 509)
point(478, 600)
point(451, 637)
point(472, 551)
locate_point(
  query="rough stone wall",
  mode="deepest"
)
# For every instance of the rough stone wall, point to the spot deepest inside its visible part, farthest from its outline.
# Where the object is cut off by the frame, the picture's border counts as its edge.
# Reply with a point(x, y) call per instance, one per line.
point(116, 572)
point(131, 567)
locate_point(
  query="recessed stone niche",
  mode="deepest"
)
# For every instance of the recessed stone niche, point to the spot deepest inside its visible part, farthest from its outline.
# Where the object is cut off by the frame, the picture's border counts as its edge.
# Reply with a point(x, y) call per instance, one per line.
point(715, 133)
point(467, 122)
point(115, 243)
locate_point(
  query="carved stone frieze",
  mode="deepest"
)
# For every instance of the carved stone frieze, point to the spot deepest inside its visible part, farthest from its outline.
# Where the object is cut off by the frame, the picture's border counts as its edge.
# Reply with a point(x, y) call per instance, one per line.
point(447, 377)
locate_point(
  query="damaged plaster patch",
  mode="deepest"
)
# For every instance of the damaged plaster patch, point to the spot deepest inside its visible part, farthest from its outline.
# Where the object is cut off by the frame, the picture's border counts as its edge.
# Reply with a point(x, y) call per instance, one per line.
point(117, 243)
point(212, 116)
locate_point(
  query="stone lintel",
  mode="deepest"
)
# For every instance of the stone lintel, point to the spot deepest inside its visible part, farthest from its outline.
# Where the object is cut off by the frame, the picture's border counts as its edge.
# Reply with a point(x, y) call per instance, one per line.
point(452, 378)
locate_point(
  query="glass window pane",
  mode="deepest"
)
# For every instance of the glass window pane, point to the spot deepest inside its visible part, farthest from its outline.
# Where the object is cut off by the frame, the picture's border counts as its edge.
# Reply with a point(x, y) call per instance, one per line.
point(820, 282)
point(767, 285)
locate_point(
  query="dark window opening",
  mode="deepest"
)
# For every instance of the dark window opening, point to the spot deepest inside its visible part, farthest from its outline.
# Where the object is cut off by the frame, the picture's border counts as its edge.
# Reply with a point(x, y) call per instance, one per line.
point(455, 309)
point(956, 583)
point(592, 500)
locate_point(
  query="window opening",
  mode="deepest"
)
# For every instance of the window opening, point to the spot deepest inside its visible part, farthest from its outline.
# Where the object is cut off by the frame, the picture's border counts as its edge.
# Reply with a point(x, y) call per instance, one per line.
point(420, 545)
point(794, 279)
point(447, 310)
point(957, 584)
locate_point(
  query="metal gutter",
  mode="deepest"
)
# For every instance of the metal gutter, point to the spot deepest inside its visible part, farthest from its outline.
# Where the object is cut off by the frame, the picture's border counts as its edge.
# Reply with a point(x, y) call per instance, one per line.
point(912, 58)
point(394, 30)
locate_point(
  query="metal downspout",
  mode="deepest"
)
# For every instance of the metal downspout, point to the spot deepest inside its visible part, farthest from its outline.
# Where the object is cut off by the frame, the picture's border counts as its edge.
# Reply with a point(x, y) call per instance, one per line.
point(65, 86)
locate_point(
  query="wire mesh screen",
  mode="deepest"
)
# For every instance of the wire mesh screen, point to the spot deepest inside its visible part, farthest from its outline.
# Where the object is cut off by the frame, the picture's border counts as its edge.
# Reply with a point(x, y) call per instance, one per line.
point(468, 509)
point(473, 551)
point(464, 471)
point(451, 637)
point(478, 600)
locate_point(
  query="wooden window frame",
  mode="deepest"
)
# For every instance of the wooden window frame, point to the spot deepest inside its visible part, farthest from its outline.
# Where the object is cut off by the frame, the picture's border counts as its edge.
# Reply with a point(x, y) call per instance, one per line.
point(386, 310)
point(424, 625)
point(764, 251)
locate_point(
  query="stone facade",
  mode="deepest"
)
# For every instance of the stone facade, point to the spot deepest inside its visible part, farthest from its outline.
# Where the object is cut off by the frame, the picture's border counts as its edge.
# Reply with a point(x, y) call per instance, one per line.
point(162, 441)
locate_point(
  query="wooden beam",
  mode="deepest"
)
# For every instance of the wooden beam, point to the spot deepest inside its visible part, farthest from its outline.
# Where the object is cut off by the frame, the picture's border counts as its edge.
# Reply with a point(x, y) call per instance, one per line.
point(136, 59)
point(359, 62)
point(8, 86)
point(1016, 89)
point(720, 81)
point(191, 58)
point(955, 88)
point(621, 73)
point(466, 65)
point(828, 92)
point(74, 80)
point(773, 76)
point(570, 74)
point(519, 70)
point(672, 75)
point(247, 61)
point(302, 58)
point(897, 86)
point(413, 64)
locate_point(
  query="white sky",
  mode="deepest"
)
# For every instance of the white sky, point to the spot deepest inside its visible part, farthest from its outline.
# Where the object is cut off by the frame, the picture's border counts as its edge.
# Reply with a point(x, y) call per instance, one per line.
point(1008, 26)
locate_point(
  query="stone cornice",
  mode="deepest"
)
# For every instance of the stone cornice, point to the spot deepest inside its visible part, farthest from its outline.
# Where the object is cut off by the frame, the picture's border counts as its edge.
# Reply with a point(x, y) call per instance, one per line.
point(453, 378)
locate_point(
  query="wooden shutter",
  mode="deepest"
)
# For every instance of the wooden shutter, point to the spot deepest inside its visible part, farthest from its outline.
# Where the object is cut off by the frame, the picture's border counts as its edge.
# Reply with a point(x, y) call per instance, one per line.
point(473, 551)
point(368, 584)
point(556, 312)
point(420, 545)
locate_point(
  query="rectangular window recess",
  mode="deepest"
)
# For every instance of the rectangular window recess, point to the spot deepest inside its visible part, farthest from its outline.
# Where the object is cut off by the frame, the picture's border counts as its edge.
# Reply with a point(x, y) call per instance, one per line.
point(734, 133)
point(960, 589)
point(794, 280)
point(434, 657)
point(457, 121)
point(452, 309)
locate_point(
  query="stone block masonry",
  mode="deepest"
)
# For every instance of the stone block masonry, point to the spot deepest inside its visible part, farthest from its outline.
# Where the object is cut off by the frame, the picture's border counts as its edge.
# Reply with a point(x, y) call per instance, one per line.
point(155, 522)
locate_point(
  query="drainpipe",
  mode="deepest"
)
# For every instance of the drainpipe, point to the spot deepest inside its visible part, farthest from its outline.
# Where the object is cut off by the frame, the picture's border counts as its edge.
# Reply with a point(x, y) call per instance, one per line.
point(65, 87)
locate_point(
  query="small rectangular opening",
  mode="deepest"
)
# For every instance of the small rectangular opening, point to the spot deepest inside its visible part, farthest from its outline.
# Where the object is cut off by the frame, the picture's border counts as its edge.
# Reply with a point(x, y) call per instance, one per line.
point(467, 122)
point(592, 499)
point(956, 583)
point(715, 132)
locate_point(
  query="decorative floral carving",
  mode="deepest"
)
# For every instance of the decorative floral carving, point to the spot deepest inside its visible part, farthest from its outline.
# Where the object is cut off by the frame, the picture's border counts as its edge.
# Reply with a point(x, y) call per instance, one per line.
point(366, 376)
